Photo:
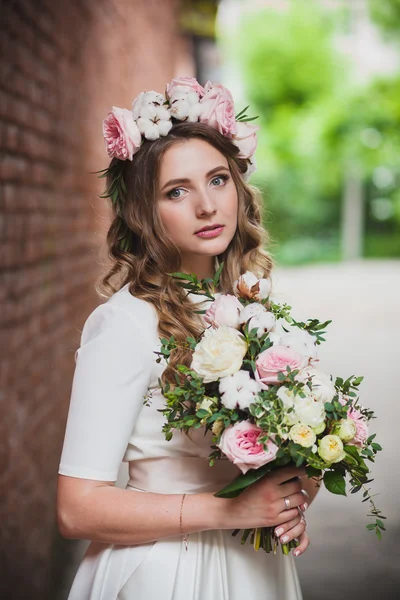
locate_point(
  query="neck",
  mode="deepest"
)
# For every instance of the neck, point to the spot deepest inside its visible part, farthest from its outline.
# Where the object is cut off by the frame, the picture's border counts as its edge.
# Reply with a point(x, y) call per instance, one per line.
point(202, 267)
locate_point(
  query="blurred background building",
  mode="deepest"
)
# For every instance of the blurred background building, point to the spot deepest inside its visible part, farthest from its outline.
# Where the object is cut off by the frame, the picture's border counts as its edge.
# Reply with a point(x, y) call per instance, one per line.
point(324, 78)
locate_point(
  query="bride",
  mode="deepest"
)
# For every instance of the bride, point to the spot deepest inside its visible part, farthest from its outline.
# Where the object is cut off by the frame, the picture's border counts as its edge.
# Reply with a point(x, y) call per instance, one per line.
point(180, 202)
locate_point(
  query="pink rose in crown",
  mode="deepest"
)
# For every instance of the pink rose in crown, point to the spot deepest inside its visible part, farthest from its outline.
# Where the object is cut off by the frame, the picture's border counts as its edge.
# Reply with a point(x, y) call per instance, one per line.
point(274, 360)
point(183, 85)
point(121, 134)
point(218, 110)
point(240, 445)
point(246, 139)
point(225, 310)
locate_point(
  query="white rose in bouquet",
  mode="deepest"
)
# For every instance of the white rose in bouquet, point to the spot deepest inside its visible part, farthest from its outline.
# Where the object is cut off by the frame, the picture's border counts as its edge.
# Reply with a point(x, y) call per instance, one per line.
point(219, 353)
point(296, 338)
point(309, 411)
point(238, 389)
point(322, 387)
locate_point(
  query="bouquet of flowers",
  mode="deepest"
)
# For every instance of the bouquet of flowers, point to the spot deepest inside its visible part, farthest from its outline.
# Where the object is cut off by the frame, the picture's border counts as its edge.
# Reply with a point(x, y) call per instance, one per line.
point(253, 382)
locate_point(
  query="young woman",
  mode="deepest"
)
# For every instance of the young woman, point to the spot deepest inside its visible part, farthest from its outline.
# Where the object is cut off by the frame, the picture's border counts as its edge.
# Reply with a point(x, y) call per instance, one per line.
point(173, 178)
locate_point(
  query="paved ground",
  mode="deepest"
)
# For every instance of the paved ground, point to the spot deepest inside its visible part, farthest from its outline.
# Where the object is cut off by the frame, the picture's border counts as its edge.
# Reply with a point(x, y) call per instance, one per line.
point(363, 301)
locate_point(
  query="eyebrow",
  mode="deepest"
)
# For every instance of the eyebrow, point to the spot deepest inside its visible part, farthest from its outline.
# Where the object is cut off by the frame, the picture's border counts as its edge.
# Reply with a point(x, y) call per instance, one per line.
point(186, 180)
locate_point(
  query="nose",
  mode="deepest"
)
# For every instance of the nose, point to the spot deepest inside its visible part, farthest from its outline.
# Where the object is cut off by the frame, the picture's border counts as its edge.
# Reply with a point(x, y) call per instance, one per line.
point(205, 204)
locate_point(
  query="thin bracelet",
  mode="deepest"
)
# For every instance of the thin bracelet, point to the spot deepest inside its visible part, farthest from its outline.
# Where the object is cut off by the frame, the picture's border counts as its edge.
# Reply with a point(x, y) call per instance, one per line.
point(185, 537)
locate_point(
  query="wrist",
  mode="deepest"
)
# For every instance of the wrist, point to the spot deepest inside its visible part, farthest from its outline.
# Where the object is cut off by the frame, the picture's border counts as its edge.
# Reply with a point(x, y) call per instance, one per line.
point(203, 512)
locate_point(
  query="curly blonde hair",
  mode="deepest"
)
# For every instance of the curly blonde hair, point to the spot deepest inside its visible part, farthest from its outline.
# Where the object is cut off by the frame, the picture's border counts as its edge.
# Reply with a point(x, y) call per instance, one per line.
point(151, 254)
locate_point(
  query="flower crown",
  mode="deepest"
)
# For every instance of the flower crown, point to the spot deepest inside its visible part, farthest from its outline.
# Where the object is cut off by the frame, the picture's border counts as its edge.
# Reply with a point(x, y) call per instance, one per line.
point(153, 116)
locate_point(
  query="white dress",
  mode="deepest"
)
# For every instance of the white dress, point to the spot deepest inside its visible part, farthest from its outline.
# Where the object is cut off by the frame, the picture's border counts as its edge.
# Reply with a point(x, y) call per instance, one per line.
point(108, 423)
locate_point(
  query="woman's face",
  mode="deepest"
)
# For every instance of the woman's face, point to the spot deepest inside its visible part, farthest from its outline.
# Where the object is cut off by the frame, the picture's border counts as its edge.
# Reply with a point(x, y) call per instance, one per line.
point(196, 190)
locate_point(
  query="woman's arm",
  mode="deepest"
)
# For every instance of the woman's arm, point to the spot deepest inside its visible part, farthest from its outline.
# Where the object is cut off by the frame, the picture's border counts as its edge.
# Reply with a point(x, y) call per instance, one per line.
point(97, 510)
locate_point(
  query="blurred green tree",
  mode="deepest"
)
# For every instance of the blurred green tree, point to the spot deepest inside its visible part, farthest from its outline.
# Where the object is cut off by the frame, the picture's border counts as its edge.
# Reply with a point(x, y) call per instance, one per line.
point(386, 13)
point(316, 124)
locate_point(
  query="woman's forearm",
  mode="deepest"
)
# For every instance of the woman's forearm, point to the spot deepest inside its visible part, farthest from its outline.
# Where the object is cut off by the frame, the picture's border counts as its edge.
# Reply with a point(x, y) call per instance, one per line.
point(104, 513)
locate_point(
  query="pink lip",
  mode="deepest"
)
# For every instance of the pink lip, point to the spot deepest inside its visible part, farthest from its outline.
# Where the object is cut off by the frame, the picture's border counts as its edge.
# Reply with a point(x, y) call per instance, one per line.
point(210, 233)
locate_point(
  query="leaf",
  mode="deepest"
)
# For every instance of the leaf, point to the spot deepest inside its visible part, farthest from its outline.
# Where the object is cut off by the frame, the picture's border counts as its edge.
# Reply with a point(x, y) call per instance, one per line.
point(335, 483)
point(241, 482)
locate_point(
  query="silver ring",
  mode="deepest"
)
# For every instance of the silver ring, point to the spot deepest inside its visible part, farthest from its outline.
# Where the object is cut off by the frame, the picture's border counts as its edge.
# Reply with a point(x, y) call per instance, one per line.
point(287, 503)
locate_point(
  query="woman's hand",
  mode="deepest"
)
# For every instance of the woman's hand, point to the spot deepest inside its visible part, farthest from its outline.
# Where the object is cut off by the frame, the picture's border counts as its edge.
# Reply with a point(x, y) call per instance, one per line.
point(294, 529)
point(263, 503)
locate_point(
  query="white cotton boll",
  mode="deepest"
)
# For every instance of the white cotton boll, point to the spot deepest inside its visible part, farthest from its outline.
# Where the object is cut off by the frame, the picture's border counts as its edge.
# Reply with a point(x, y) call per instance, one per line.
point(256, 322)
point(180, 109)
point(164, 127)
point(245, 397)
point(267, 319)
point(146, 103)
point(251, 310)
point(162, 113)
point(152, 132)
point(230, 399)
point(144, 124)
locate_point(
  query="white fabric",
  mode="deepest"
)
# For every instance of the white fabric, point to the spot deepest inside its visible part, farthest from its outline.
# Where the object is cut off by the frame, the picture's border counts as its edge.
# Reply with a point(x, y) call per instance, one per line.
point(107, 422)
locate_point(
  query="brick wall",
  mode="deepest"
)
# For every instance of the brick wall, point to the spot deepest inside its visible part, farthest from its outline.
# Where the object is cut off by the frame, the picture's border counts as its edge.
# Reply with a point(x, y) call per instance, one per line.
point(63, 64)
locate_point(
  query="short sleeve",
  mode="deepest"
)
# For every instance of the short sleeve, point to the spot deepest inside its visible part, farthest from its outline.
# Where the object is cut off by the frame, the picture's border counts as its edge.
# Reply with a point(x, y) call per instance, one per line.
point(112, 374)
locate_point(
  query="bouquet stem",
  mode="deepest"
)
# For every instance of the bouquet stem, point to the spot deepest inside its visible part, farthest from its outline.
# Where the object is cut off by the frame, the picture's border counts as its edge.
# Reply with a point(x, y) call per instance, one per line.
point(264, 537)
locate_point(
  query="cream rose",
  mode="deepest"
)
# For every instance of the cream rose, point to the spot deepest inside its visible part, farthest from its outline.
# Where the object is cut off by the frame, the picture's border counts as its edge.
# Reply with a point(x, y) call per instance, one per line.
point(302, 434)
point(330, 449)
point(219, 353)
point(346, 429)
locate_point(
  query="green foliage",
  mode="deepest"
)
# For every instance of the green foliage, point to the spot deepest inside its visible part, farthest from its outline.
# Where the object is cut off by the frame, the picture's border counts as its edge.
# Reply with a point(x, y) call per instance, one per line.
point(316, 121)
point(386, 13)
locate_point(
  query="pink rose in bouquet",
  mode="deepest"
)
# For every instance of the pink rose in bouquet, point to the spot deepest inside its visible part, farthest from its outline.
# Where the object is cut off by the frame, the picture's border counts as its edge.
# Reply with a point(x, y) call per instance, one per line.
point(274, 360)
point(224, 310)
point(361, 426)
point(182, 85)
point(246, 139)
point(240, 445)
point(218, 110)
point(121, 134)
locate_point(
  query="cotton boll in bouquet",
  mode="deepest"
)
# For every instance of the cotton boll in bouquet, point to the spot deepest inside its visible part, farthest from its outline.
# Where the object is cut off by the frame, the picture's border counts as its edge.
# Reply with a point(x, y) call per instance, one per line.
point(253, 382)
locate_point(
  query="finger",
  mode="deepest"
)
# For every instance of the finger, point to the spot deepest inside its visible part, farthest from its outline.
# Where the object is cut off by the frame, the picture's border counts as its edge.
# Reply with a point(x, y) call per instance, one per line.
point(285, 473)
point(304, 543)
point(304, 506)
point(282, 529)
point(287, 489)
point(294, 532)
point(286, 515)
point(295, 500)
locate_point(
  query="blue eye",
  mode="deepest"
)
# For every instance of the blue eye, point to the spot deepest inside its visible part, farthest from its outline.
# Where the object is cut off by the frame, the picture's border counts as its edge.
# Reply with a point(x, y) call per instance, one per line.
point(174, 193)
point(221, 178)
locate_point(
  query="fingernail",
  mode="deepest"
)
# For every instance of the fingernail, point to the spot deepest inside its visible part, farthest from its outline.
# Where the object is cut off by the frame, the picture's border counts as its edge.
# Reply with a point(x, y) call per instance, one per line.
point(296, 552)
point(279, 531)
point(284, 539)
point(305, 506)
